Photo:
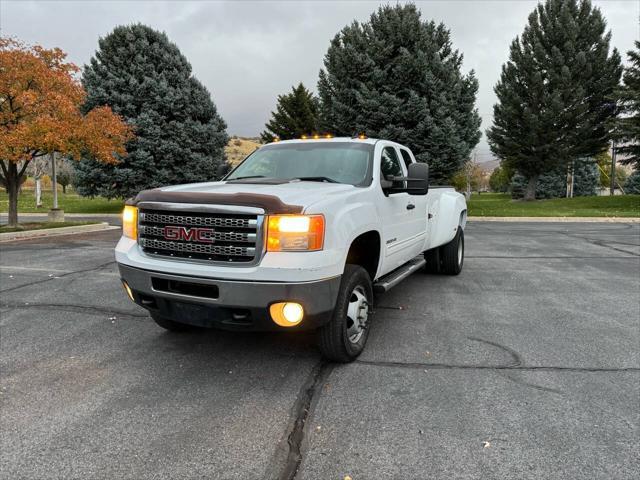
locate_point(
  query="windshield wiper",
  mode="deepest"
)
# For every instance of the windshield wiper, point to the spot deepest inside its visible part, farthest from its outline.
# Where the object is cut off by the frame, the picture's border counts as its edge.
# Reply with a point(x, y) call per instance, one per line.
point(316, 179)
point(248, 176)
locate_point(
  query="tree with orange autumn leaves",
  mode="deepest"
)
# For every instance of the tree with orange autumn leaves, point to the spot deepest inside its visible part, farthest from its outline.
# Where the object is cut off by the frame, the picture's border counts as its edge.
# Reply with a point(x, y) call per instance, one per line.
point(40, 100)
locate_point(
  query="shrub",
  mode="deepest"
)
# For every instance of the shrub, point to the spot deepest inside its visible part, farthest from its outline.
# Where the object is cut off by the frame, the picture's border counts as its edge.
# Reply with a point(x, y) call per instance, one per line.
point(632, 185)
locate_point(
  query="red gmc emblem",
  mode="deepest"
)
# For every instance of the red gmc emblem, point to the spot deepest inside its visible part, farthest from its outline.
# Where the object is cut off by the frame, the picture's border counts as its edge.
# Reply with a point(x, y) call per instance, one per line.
point(204, 235)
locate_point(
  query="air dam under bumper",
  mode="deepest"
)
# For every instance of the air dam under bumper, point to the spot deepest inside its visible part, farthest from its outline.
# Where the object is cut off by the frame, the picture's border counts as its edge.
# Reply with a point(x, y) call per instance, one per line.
point(228, 304)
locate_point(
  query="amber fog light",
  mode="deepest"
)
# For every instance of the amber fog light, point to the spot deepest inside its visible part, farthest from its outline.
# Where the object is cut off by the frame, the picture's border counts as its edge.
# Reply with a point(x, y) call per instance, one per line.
point(286, 314)
point(127, 289)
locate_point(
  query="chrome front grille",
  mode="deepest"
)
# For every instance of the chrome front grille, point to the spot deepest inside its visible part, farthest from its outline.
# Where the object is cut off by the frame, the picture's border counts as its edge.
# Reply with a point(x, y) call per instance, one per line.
point(206, 236)
point(198, 220)
point(242, 237)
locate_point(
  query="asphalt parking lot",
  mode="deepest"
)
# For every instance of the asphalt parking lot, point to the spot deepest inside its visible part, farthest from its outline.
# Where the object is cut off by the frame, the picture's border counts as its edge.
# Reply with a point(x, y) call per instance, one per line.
point(524, 366)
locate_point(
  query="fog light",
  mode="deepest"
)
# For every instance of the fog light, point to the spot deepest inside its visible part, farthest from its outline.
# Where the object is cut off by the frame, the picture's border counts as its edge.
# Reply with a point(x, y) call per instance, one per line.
point(128, 290)
point(286, 314)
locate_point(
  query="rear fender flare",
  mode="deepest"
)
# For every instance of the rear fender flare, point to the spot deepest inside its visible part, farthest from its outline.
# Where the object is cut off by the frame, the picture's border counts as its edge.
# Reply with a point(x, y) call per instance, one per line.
point(450, 214)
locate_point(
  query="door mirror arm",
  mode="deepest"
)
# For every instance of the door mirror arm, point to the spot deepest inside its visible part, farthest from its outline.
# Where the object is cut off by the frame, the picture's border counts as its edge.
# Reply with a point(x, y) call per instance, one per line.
point(414, 186)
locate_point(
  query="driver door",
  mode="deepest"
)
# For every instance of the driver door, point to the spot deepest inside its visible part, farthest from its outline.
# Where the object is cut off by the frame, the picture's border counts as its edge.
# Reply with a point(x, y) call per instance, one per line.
point(396, 217)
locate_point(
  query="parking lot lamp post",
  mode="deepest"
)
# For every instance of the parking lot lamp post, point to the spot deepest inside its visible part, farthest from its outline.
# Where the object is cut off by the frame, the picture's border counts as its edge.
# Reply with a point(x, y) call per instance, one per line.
point(612, 177)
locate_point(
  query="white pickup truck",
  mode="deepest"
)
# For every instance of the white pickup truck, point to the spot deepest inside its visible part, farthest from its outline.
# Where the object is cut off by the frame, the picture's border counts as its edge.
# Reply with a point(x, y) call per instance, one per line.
point(298, 236)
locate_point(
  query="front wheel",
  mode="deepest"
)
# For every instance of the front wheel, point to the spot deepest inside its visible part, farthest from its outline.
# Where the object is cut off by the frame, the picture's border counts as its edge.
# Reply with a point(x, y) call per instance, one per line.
point(344, 337)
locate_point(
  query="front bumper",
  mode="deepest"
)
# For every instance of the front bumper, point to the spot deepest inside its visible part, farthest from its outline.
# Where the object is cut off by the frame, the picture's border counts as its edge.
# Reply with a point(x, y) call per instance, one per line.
point(228, 304)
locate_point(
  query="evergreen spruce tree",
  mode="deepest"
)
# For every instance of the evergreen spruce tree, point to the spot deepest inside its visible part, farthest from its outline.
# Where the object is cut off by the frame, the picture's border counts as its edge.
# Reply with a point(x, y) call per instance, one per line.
point(553, 183)
point(398, 77)
point(632, 185)
point(296, 114)
point(627, 132)
point(556, 92)
point(180, 137)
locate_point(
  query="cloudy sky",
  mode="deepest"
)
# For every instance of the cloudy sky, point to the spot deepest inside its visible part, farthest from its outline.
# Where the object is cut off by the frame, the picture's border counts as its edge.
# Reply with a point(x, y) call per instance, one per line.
point(247, 52)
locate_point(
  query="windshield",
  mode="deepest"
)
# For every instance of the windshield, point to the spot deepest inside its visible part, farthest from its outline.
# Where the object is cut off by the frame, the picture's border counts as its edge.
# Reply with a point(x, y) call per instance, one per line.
point(340, 162)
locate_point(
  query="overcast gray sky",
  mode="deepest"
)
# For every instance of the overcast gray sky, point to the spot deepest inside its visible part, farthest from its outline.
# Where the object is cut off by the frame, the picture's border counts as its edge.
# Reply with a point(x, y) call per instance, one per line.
point(247, 52)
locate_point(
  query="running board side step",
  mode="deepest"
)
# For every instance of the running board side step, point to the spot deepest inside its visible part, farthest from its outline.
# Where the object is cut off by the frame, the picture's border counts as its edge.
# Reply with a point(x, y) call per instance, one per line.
point(391, 279)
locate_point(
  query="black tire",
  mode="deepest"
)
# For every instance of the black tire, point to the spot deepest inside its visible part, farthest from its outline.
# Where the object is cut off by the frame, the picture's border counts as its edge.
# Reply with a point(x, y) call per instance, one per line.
point(452, 255)
point(333, 339)
point(170, 325)
point(433, 261)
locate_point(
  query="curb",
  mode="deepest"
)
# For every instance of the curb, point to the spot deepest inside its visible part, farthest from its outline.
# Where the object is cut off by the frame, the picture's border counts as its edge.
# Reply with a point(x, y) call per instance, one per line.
point(557, 219)
point(54, 232)
point(44, 214)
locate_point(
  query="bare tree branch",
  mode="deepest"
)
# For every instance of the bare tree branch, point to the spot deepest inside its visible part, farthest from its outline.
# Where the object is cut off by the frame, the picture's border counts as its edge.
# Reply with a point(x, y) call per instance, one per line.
point(4, 168)
point(24, 167)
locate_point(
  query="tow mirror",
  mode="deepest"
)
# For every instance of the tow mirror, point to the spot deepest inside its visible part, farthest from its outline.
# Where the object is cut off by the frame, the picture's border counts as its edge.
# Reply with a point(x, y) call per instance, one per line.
point(418, 180)
point(417, 183)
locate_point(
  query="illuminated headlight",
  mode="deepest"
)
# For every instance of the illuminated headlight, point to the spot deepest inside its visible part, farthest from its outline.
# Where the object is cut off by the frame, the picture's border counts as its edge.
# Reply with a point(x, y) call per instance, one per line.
point(130, 222)
point(295, 233)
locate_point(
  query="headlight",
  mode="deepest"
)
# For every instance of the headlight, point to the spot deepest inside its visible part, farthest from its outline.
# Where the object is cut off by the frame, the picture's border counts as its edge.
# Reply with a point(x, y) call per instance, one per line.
point(130, 222)
point(295, 233)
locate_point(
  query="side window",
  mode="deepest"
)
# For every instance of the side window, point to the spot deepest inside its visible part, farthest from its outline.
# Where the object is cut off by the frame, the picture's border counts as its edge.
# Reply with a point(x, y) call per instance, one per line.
point(389, 163)
point(406, 158)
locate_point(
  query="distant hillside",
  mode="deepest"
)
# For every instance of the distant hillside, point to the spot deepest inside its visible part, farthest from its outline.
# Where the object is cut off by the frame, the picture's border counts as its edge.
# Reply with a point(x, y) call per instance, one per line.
point(490, 166)
point(239, 147)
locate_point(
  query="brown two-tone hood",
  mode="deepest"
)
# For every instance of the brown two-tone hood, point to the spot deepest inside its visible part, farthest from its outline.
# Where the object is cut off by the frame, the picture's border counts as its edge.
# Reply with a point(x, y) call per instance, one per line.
point(286, 197)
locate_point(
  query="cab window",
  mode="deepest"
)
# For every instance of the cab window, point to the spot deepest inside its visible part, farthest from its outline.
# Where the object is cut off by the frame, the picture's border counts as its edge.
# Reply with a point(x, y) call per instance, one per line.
point(406, 158)
point(390, 163)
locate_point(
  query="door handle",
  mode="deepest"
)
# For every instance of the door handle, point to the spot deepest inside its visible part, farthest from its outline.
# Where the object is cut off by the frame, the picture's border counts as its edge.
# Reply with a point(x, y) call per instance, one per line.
point(411, 206)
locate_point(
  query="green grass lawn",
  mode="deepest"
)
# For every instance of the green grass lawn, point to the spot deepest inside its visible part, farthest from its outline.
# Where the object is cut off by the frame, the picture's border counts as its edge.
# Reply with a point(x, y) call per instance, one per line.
point(69, 202)
point(501, 205)
point(41, 225)
point(483, 205)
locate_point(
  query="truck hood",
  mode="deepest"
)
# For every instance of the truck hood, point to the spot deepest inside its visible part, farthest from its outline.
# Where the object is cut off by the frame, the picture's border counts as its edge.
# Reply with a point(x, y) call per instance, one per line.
point(294, 193)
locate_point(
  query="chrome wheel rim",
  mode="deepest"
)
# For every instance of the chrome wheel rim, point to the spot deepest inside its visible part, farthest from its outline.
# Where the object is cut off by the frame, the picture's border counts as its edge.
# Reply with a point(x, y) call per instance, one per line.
point(357, 314)
point(460, 251)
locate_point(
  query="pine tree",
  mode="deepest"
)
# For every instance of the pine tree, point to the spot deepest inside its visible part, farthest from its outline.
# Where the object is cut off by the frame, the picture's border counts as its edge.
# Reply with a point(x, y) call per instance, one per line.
point(296, 115)
point(556, 92)
point(398, 77)
point(553, 183)
point(180, 137)
point(627, 130)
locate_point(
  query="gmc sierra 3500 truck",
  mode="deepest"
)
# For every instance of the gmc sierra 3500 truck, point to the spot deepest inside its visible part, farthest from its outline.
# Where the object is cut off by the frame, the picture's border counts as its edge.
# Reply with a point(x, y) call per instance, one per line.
point(298, 236)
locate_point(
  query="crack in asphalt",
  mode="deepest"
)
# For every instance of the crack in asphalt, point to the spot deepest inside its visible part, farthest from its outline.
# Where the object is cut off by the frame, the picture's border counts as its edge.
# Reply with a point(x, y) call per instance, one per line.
point(515, 356)
point(289, 448)
point(520, 381)
point(14, 268)
point(601, 243)
point(48, 279)
point(72, 307)
point(463, 366)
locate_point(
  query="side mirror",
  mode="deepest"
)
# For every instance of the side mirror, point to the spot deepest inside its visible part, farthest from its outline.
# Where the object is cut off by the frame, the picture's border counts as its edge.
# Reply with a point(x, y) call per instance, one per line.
point(418, 179)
